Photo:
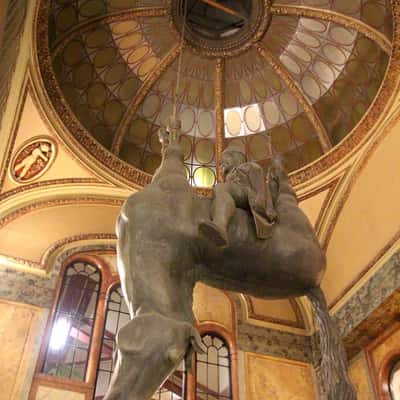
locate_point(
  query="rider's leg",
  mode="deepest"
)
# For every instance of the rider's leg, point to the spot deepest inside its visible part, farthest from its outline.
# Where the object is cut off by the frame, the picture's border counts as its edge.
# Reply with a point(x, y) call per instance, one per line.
point(227, 197)
point(150, 347)
point(278, 181)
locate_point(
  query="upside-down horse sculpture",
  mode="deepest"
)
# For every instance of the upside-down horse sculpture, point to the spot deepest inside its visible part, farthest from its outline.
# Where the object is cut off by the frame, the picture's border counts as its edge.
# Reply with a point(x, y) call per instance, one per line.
point(169, 238)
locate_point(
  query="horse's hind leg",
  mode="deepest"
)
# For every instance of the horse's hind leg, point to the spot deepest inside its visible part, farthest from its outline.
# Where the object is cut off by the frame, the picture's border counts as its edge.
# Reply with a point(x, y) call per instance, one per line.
point(334, 366)
point(150, 347)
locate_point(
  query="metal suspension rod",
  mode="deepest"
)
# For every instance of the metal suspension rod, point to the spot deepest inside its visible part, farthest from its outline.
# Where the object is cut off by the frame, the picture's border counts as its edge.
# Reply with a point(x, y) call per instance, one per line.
point(178, 75)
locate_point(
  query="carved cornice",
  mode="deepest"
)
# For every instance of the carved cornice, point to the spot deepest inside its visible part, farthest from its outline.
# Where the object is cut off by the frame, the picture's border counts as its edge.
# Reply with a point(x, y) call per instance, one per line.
point(219, 115)
point(309, 110)
point(92, 23)
point(141, 94)
point(341, 19)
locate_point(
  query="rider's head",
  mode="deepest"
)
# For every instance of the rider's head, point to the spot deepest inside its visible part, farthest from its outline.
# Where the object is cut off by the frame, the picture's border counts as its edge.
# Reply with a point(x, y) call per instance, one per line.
point(44, 147)
point(230, 159)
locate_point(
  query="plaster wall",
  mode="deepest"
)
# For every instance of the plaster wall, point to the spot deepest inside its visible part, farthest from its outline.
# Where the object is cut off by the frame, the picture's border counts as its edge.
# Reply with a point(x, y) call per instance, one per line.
point(273, 378)
point(21, 329)
point(360, 377)
point(369, 219)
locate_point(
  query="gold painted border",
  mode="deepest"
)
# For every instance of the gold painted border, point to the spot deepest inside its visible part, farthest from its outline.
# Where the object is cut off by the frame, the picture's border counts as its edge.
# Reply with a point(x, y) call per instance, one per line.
point(44, 267)
point(57, 203)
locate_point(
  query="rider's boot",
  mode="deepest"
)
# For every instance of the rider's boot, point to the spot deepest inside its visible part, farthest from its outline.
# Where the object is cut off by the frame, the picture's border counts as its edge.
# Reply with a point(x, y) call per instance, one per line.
point(214, 233)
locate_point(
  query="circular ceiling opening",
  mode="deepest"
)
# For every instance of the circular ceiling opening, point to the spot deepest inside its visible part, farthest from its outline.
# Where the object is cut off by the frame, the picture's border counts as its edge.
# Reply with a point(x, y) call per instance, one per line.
point(216, 20)
point(217, 28)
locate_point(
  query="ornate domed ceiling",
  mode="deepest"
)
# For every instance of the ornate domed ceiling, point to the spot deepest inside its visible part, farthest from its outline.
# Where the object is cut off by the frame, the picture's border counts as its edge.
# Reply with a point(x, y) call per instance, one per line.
point(304, 71)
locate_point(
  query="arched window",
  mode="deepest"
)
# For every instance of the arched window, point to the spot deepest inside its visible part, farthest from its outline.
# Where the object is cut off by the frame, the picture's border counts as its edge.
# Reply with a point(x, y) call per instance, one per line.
point(213, 369)
point(394, 381)
point(117, 316)
point(71, 331)
point(78, 350)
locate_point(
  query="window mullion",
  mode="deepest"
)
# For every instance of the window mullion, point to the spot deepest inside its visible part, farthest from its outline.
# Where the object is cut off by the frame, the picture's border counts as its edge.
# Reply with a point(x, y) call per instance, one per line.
point(97, 334)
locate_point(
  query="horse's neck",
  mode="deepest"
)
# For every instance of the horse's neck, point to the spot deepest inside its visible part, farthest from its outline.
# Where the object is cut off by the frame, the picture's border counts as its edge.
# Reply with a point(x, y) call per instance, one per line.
point(171, 164)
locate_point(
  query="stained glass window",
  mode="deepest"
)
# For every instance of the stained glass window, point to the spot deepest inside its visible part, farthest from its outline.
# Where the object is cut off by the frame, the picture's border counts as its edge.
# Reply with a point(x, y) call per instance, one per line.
point(71, 332)
point(213, 370)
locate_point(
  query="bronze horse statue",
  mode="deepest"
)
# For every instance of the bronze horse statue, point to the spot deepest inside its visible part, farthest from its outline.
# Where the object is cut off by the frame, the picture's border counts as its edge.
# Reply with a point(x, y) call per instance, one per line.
point(161, 256)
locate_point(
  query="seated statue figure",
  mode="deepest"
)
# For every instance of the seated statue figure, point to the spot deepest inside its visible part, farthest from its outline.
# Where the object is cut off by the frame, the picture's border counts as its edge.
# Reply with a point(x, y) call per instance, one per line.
point(245, 187)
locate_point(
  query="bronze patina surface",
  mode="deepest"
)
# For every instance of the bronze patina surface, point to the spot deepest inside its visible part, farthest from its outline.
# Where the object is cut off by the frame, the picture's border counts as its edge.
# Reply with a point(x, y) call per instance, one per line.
point(161, 256)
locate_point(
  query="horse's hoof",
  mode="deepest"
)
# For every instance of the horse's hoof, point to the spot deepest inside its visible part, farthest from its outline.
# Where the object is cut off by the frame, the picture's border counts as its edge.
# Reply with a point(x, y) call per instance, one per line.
point(212, 232)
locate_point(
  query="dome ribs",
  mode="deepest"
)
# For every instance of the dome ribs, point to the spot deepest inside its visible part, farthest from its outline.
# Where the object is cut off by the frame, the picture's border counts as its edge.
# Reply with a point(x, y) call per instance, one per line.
point(219, 114)
point(332, 16)
point(141, 94)
point(283, 73)
point(91, 23)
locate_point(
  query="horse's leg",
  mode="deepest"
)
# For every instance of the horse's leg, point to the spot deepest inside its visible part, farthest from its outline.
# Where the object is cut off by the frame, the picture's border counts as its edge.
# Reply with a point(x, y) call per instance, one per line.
point(150, 347)
point(334, 366)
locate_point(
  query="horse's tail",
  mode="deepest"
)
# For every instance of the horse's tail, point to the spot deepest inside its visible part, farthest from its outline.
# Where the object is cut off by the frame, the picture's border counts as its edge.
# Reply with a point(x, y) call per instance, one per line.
point(334, 367)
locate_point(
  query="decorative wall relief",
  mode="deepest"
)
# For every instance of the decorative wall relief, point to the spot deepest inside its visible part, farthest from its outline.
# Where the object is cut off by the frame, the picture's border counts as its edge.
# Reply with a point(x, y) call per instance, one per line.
point(32, 159)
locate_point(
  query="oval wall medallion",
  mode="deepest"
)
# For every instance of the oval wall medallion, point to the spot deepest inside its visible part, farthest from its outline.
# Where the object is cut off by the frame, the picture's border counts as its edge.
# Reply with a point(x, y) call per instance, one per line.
point(32, 159)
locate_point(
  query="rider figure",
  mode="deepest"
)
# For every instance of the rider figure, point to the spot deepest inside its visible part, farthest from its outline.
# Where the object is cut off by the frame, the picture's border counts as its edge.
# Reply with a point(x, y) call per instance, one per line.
point(245, 187)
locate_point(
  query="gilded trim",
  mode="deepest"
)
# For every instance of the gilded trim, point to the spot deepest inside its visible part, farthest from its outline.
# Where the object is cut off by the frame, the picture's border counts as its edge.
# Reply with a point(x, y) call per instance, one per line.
point(309, 110)
point(45, 265)
point(15, 126)
point(57, 203)
point(341, 19)
point(298, 323)
point(141, 94)
point(43, 184)
point(92, 23)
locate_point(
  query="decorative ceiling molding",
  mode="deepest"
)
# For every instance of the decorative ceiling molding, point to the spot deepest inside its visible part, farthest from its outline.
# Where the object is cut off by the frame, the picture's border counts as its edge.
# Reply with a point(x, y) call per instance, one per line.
point(47, 261)
point(91, 23)
point(341, 19)
point(120, 172)
point(141, 94)
point(309, 110)
point(219, 115)
point(297, 323)
point(58, 203)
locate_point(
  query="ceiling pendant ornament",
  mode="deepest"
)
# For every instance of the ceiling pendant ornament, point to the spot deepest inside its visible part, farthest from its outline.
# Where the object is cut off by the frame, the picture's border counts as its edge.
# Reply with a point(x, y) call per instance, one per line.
point(236, 26)
point(32, 159)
